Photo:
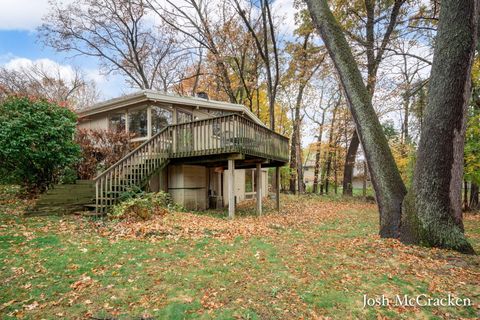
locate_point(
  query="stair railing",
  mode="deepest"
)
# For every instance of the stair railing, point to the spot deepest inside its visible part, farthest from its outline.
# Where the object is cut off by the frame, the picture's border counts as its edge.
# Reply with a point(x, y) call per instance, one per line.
point(132, 170)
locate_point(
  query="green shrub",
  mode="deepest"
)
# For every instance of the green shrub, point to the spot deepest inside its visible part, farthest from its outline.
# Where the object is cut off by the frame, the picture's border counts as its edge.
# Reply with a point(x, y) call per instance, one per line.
point(143, 206)
point(36, 142)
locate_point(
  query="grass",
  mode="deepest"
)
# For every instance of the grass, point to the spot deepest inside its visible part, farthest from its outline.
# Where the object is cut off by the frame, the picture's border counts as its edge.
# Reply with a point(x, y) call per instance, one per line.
point(316, 259)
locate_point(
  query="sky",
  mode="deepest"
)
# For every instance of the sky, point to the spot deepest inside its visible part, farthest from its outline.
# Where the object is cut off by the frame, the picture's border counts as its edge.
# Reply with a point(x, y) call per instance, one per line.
point(19, 43)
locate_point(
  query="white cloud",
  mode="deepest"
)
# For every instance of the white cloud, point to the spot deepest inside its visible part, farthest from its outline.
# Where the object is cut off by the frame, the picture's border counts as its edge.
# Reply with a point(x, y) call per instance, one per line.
point(53, 68)
point(22, 14)
point(286, 12)
point(110, 86)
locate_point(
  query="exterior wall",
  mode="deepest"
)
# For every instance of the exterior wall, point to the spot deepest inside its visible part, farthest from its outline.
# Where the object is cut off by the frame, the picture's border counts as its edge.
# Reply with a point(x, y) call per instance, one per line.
point(239, 186)
point(308, 175)
point(357, 183)
point(94, 123)
point(188, 186)
point(158, 181)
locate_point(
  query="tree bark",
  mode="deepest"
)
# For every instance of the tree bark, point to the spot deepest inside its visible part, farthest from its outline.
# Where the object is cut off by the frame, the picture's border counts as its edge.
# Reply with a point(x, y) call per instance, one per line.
point(386, 179)
point(466, 203)
point(331, 148)
point(350, 164)
point(365, 177)
point(318, 154)
point(293, 157)
point(298, 149)
point(474, 197)
point(432, 209)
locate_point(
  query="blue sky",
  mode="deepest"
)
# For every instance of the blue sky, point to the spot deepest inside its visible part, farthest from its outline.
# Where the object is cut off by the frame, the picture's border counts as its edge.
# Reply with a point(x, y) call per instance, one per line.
point(19, 43)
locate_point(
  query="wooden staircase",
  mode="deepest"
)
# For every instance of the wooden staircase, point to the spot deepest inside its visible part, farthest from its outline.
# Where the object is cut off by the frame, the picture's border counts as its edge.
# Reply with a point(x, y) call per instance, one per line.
point(132, 171)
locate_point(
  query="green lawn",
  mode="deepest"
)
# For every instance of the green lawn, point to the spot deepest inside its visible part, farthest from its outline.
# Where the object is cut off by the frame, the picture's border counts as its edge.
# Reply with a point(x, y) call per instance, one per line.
point(314, 260)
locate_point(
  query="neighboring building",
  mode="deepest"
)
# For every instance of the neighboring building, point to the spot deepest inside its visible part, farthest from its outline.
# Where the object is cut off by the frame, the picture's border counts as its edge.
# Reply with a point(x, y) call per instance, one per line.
point(309, 173)
point(188, 147)
point(357, 181)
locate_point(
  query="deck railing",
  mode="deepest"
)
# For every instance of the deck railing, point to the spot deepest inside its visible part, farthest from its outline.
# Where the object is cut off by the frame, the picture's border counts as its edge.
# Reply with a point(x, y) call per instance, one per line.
point(228, 134)
point(221, 135)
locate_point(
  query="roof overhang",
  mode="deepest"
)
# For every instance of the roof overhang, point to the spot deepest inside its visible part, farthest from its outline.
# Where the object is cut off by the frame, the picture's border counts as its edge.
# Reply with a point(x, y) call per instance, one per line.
point(151, 95)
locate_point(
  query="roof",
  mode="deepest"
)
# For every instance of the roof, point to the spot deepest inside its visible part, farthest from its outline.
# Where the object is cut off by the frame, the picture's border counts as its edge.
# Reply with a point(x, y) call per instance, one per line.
point(152, 95)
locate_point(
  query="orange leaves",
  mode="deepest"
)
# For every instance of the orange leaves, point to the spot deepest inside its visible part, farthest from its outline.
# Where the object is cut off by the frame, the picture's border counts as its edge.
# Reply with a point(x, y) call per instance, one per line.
point(294, 214)
point(84, 282)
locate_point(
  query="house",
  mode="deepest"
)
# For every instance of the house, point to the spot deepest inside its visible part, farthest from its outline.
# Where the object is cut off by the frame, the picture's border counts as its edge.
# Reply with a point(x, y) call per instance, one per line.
point(357, 181)
point(204, 153)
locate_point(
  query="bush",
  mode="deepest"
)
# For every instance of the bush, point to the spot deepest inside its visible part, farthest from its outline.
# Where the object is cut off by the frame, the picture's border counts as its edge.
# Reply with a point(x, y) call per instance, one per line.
point(100, 149)
point(36, 142)
point(143, 206)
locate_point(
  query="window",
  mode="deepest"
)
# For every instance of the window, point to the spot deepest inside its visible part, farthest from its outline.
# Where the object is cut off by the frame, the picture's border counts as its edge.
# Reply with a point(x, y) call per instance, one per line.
point(183, 117)
point(160, 119)
point(116, 122)
point(137, 122)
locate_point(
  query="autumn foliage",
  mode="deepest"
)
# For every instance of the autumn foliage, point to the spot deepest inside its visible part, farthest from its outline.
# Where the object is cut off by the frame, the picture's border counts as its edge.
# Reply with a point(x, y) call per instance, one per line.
point(100, 149)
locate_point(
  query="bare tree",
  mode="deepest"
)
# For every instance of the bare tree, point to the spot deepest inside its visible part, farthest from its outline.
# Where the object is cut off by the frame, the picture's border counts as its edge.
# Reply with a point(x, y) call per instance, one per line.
point(265, 39)
point(306, 60)
point(117, 32)
point(49, 82)
point(193, 19)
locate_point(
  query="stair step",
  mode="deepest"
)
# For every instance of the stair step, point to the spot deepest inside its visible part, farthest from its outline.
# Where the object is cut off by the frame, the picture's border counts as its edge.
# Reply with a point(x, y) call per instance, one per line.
point(94, 206)
point(93, 214)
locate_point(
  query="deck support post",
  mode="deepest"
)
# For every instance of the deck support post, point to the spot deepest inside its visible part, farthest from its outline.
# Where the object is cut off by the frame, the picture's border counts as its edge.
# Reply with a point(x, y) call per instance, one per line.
point(231, 191)
point(258, 185)
point(277, 188)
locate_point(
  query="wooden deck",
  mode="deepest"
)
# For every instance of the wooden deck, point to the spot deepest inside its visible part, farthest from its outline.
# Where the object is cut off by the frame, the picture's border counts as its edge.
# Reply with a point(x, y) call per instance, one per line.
point(226, 137)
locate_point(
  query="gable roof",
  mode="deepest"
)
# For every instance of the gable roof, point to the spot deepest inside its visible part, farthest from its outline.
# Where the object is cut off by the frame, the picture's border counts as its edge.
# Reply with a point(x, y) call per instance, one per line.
point(152, 95)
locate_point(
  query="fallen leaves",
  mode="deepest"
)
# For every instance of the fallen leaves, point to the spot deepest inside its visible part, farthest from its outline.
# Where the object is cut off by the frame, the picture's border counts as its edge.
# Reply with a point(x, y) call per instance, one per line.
point(84, 282)
point(294, 214)
point(310, 261)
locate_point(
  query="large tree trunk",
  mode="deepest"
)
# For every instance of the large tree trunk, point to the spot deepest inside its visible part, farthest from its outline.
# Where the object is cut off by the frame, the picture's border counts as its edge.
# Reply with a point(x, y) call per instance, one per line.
point(349, 165)
point(386, 179)
point(432, 209)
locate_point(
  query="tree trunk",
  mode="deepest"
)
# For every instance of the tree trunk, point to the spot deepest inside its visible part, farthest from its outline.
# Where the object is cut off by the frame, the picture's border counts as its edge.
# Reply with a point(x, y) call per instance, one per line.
point(466, 203)
point(331, 148)
point(406, 108)
point(349, 165)
point(317, 155)
point(474, 197)
point(386, 179)
point(432, 209)
point(298, 143)
point(293, 162)
point(327, 172)
point(335, 172)
point(365, 177)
